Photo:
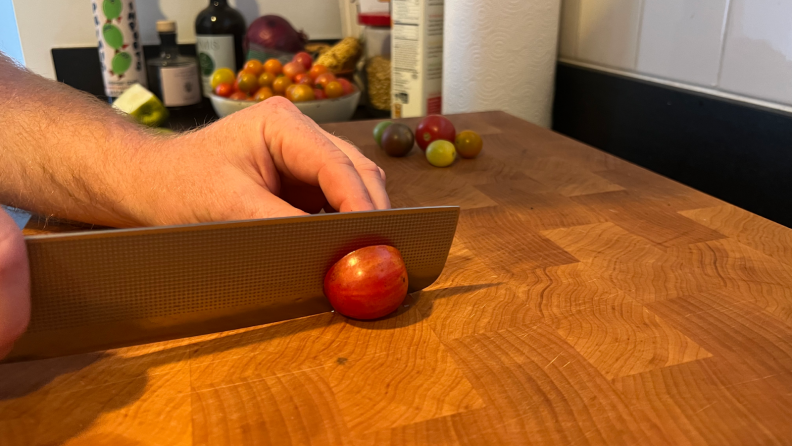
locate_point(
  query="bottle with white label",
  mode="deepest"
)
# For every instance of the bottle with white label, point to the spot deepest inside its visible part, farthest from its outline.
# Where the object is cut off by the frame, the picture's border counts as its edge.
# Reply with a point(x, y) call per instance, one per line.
point(173, 77)
point(219, 33)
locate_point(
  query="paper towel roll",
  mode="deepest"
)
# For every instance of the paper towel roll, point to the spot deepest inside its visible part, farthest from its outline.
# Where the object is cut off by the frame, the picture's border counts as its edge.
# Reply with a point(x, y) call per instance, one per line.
point(500, 55)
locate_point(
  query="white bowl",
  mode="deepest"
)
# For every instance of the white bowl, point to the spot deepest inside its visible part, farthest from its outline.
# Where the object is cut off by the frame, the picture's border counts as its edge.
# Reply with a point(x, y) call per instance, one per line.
point(325, 110)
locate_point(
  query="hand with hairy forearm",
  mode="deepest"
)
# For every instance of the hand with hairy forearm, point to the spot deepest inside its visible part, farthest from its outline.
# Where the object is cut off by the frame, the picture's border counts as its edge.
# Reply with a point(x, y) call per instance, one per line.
point(66, 154)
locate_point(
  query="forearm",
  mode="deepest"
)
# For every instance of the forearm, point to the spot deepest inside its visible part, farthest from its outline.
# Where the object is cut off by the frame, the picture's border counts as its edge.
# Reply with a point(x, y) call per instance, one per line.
point(65, 153)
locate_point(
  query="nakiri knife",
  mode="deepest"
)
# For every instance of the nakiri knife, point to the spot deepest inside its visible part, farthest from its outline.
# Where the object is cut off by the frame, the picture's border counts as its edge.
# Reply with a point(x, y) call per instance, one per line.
point(105, 289)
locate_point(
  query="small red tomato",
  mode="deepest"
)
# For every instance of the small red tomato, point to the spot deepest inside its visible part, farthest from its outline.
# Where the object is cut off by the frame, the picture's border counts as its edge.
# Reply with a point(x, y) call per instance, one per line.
point(225, 89)
point(319, 94)
point(239, 96)
point(368, 283)
point(303, 58)
point(292, 69)
point(346, 85)
point(236, 84)
point(432, 128)
point(304, 79)
point(324, 79)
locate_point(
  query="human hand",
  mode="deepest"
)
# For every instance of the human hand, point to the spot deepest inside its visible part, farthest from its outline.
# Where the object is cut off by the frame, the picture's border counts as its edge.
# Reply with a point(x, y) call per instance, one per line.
point(14, 284)
point(268, 160)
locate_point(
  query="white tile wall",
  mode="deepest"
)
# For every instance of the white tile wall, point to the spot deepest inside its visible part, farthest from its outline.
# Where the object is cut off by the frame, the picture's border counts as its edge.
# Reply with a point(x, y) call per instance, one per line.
point(757, 59)
point(734, 48)
point(601, 31)
point(682, 39)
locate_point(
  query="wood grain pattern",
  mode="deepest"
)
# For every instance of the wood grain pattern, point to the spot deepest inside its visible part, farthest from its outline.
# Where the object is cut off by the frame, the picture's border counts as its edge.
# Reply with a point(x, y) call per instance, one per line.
point(584, 301)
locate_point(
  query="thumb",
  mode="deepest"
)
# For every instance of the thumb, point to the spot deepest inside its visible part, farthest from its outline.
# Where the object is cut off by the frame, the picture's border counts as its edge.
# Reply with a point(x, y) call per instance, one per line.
point(14, 284)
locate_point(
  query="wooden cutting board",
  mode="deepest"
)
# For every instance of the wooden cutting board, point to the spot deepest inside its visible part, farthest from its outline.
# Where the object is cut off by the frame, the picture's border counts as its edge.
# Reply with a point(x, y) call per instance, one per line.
point(585, 301)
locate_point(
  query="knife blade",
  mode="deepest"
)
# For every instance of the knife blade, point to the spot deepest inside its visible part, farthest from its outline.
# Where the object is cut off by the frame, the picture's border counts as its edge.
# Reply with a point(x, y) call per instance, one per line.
point(105, 289)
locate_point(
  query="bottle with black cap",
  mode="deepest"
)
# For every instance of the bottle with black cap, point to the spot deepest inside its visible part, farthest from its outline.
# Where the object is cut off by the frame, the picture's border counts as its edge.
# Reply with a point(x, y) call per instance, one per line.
point(219, 34)
point(172, 76)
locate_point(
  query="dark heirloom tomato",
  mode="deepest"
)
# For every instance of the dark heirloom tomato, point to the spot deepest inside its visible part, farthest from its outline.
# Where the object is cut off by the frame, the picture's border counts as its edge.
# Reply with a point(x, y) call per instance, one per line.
point(397, 140)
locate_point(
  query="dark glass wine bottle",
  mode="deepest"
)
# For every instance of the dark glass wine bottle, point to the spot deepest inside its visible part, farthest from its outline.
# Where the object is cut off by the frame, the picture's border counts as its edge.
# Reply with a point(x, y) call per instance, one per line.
point(219, 31)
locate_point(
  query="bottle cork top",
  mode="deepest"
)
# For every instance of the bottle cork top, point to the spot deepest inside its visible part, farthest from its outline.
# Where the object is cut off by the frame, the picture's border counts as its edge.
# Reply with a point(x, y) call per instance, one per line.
point(166, 26)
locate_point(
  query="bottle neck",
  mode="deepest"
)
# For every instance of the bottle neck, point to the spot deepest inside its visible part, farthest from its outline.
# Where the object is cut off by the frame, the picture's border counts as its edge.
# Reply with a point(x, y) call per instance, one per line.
point(169, 49)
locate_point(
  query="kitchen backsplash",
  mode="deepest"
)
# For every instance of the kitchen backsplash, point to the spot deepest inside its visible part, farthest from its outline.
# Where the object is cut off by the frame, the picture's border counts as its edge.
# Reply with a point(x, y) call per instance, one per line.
point(740, 49)
point(46, 24)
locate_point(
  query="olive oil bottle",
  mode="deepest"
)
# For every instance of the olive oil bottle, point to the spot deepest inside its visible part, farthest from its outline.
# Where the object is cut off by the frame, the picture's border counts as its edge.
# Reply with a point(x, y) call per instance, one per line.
point(219, 33)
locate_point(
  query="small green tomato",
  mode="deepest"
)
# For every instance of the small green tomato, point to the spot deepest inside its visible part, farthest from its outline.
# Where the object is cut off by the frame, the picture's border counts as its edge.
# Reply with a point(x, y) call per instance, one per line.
point(379, 130)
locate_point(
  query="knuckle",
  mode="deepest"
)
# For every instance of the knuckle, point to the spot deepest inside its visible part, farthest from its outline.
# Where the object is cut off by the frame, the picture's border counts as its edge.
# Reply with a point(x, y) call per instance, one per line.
point(366, 166)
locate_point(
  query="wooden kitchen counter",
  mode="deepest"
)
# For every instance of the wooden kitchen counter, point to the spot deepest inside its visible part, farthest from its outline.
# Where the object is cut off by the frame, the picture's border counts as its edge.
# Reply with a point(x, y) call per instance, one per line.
point(585, 301)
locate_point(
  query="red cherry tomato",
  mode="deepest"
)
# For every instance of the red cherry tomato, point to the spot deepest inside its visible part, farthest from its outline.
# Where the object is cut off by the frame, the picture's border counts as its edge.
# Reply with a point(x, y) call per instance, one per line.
point(225, 90)
point(324, 79)
point(303, 78)
point(346, 85)
point(292, 69)
point(239, 96)
point(319, 94)
point(432, 128)
point(368, 283)
point(303, 58)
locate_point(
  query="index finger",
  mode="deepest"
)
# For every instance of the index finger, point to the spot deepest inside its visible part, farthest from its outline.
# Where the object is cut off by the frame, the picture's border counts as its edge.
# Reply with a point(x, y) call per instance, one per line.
point(301, 149)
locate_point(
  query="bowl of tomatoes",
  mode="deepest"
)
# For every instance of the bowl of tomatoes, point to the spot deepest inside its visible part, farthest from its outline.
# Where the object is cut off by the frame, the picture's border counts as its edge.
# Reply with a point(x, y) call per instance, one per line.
point(314, 89)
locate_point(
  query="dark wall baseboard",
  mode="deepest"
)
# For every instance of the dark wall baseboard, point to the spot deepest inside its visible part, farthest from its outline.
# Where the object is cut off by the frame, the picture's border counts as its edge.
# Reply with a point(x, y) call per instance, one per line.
point(734, 151)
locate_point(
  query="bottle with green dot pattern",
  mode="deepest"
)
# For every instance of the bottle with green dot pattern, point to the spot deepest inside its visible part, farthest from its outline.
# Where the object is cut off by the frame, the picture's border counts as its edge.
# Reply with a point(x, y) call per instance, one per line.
point(120, 52)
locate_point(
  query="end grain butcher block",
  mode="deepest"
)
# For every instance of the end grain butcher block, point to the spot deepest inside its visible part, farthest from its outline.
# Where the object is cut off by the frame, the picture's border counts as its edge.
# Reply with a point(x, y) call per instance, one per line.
point(585, 301)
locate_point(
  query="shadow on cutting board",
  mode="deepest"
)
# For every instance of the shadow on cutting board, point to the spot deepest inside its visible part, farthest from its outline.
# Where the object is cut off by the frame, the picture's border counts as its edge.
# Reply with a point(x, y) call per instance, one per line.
point(88, 385)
